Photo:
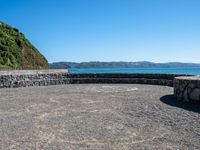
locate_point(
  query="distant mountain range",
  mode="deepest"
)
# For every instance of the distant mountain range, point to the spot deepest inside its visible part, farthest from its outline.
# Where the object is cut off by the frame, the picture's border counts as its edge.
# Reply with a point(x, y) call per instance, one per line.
point(121, 64)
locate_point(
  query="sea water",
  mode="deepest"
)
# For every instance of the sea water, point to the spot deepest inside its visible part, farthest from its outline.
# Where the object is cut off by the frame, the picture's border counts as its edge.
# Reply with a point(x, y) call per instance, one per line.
point(192, 71)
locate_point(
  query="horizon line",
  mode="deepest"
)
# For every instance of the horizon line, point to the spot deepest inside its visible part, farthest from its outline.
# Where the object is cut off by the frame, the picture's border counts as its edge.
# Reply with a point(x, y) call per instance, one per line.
point(123, 61)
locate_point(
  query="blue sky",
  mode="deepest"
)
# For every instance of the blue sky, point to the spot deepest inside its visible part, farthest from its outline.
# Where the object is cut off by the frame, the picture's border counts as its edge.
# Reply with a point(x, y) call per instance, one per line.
point(109, 30)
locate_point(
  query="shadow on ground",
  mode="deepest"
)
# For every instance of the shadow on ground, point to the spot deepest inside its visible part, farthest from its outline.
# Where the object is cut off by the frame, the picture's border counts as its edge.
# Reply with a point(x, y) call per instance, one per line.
point(170, 100)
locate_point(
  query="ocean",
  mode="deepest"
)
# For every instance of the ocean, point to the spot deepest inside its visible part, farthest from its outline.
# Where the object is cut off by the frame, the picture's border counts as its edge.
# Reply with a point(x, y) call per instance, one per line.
point(192, 71)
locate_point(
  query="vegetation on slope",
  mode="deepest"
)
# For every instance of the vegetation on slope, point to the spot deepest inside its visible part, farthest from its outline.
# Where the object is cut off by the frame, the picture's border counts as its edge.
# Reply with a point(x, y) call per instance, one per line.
point(17, 52)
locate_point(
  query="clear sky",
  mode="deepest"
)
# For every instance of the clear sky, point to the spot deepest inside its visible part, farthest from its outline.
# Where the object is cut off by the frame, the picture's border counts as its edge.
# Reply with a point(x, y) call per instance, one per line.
point(109, 30)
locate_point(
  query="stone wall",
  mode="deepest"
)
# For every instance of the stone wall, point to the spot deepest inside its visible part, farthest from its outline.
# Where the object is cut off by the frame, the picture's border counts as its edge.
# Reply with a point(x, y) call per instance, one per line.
point(123, 75)
point(154, 79)
point(14, 81)
point(187, 89)
point(24, 78)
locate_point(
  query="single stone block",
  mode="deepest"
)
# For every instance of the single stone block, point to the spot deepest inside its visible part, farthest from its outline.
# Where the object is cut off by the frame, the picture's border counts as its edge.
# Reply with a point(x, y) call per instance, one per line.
point(187, 88)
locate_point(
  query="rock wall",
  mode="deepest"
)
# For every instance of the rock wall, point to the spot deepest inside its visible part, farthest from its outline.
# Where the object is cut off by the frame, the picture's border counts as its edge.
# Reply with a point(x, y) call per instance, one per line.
point(155, 79)
point(14, 81)
point(123, 75)
point(24, 78)
point(187, 89)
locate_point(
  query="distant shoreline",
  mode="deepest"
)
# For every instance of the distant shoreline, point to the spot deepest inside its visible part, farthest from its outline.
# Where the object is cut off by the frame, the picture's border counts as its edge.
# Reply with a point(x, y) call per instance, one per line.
point(109, 65)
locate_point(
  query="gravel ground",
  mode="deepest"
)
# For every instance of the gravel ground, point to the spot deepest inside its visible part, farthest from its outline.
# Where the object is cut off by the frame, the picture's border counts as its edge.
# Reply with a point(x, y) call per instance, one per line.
point(97, 116)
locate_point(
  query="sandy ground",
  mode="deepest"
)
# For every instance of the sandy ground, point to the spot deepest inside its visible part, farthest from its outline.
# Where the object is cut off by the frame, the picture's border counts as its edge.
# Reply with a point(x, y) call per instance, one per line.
point(97, 116)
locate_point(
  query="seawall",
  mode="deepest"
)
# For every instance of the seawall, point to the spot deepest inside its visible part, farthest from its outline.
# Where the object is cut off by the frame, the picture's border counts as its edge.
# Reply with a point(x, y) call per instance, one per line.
point(25, 78)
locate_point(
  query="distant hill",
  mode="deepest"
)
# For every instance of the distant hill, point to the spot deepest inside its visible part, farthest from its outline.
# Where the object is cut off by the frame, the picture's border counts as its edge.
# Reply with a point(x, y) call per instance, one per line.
point(17, 52)
point(141, 64)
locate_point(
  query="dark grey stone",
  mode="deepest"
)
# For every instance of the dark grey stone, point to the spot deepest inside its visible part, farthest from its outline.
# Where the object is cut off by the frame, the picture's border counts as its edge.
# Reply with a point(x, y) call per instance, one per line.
point(187, 89)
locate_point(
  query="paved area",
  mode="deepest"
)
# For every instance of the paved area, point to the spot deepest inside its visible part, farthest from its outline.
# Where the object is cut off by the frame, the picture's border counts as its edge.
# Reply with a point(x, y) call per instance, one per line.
point(91, 116)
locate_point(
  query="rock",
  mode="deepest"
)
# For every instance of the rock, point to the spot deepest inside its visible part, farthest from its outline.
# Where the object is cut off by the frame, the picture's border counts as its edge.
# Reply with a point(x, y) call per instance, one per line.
point(187, 88)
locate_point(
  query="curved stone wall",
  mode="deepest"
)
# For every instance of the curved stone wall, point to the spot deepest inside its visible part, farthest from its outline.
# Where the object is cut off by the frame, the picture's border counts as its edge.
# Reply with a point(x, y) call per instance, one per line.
point(187, 89)
point(123, 75)
point(24, 78)
point(155, 79)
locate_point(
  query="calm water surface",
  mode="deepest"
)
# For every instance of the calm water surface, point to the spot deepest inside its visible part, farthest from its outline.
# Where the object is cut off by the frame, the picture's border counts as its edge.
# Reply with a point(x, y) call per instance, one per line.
point(193, 71)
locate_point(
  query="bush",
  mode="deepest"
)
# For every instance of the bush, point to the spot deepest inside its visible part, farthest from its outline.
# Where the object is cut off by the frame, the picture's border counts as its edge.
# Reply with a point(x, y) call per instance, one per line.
point(17, 52)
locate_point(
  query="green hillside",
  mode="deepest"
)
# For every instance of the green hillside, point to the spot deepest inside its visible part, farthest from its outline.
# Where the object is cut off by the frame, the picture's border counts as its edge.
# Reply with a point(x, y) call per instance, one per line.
point(17, 52)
